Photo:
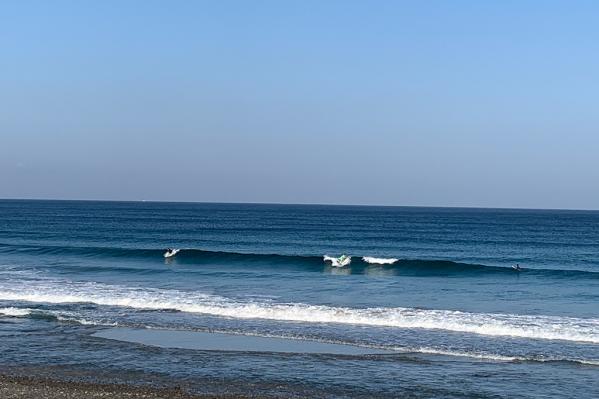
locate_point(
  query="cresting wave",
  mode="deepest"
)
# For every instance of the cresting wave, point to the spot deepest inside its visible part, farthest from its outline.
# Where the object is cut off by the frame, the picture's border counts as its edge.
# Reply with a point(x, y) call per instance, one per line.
point(15, 312)
point(359, 265)
point(379, 261)
point(69, 317)
point(490, 324)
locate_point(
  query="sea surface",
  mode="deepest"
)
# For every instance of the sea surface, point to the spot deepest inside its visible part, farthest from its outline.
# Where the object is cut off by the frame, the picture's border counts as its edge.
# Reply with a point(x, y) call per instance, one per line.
point(452, 316)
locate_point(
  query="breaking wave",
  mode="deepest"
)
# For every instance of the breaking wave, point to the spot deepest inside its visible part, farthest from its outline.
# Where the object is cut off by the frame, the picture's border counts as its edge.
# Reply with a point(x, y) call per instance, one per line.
point(488, 324)
point(379, 261)
point(15, 312)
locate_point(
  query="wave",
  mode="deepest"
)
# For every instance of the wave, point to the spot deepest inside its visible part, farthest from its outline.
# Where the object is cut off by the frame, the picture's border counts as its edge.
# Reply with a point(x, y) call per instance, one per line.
point(497, 357)
point(379, 261)
point(488, 324)
point(15, 312)
point(85, 322)
point(69, 317)
point(362, 265)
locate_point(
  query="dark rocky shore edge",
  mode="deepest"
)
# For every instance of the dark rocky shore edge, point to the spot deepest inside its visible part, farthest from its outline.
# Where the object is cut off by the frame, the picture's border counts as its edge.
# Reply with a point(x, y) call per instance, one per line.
point(31, 387)
point(90, 382)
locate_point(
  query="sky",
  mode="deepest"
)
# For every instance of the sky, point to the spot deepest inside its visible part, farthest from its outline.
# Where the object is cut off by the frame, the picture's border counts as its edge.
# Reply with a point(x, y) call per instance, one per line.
point(427, 103)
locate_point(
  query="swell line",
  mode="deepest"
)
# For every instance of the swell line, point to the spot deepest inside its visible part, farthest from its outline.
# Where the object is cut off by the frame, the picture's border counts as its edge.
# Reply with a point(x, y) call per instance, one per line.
point(361, 263)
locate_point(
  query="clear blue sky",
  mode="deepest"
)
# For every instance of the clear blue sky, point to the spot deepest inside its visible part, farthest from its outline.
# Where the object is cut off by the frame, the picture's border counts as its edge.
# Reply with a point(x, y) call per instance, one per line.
point(444, 103)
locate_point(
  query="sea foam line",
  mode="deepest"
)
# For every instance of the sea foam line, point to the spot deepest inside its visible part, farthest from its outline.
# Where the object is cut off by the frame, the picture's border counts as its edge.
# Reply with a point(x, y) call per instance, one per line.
point(489, 324)
point(494, 357)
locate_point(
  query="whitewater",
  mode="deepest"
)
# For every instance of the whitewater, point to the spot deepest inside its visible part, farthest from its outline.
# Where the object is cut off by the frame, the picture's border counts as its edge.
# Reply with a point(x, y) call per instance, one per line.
point(522, 326)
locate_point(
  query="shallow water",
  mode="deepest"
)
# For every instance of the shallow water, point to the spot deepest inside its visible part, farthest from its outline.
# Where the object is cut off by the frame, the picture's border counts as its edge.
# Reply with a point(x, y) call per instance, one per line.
point(211, 341)
point(459, 320)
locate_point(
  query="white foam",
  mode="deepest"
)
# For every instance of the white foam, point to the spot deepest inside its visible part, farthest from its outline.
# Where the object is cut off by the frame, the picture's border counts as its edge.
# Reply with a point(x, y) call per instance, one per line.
point(379, 261)
point(489, 324)
point(85, 322)
point(493, 356)
point(474, 355)
point(15, 312)
point(61, 316)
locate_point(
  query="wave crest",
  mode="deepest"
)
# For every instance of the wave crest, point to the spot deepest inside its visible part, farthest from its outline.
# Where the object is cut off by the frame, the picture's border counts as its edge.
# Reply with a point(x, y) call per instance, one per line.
point(15, 312)
point(379, 261)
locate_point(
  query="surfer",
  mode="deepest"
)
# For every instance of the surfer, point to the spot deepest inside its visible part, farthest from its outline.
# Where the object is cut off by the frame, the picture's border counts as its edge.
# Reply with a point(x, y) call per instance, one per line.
point(341, 261)
point(517, 267)
point(170, 252)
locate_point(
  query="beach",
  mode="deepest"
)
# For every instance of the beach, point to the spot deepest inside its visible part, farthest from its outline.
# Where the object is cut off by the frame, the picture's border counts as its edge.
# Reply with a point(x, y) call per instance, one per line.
point(64, 382)
point(40, 388)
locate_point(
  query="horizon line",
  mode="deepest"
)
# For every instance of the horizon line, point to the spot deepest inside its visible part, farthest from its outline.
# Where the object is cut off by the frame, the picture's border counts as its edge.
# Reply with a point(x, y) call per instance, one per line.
point(299, 204)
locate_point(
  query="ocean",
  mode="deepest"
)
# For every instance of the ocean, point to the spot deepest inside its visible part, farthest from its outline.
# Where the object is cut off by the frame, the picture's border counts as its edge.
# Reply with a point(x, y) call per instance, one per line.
point(448, 318)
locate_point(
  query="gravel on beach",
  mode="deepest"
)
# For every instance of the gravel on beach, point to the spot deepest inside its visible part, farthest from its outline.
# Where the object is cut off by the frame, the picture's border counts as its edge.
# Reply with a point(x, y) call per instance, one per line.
point(13, 387)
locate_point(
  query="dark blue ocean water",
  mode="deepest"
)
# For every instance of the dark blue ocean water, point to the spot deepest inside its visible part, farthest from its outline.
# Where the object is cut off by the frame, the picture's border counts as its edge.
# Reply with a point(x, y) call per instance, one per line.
point(460, 322)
